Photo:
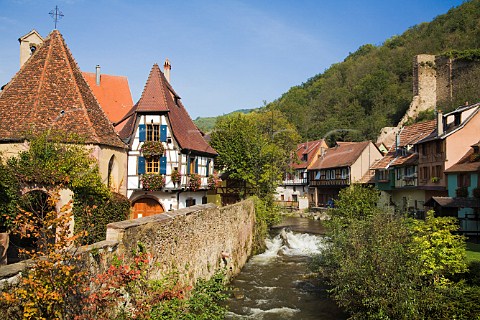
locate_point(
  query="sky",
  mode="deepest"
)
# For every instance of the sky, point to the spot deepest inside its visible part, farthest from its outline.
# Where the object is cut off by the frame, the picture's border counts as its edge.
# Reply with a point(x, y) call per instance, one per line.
point(225, 54)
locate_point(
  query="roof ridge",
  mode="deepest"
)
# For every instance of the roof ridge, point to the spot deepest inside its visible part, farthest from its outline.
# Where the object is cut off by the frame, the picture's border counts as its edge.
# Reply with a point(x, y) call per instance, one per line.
point(42, 77)
point(162, 82)
point(77, 89)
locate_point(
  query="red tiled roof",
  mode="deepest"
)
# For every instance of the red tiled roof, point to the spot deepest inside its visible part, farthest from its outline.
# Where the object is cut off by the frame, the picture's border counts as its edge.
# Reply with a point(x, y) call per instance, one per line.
point(391, 159)
point(407, 135)
point(49, 92)
point(309, 148)
point(113, 94)
point(368, 177)
point(159, 96)
point(412, 134)
point(342, 155)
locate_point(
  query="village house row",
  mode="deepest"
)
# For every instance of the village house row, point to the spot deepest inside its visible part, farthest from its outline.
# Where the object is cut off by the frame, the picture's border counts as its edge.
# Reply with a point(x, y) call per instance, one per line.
point(150, 151)
point(153, 153)
point(427, 165)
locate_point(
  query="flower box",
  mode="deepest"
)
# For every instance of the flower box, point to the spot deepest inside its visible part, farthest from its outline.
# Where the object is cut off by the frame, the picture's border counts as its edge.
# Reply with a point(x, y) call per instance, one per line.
point(152, 148)
point(194, 182)
point(152, 181)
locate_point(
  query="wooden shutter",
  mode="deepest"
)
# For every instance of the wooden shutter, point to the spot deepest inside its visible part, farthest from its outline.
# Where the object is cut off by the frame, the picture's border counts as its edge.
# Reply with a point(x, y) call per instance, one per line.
point(163, 165)
point(141, 165)
point(208, 168)
point(196, 165)
point(142, 132)
point(163, 133)
point(188, 165)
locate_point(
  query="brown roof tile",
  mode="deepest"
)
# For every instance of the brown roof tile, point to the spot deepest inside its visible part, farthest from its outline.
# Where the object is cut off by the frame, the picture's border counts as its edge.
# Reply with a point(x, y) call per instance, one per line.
point(113, 94)
point(159, 96)
point(448, 202)
point(309, 148)
point(412, 134)
point(368, 177)
point(470, 162)
point(49, 92)
point(342, 155)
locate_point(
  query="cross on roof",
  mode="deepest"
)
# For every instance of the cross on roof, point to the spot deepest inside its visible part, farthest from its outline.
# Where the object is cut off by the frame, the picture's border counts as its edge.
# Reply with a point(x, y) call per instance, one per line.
point(56, 15)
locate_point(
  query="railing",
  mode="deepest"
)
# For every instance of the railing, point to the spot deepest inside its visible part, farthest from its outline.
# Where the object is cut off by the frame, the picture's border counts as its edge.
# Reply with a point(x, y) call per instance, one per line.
point(303, 181)
point(335, 182)
point(287, 204)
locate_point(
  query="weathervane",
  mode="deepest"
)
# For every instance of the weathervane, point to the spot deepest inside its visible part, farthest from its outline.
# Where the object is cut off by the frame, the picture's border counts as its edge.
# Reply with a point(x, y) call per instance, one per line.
point(56, 15)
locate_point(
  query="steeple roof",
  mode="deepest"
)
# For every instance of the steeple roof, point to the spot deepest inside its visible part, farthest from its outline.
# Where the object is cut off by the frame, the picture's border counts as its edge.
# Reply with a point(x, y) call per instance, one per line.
point(159, 97)
point(50, 93)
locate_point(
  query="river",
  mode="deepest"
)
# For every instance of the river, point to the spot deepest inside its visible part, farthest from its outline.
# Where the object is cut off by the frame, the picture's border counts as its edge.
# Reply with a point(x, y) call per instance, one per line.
point(277, 283)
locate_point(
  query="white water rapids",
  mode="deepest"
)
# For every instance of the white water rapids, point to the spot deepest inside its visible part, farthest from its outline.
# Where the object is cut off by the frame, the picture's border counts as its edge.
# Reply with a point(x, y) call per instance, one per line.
point(273, 285)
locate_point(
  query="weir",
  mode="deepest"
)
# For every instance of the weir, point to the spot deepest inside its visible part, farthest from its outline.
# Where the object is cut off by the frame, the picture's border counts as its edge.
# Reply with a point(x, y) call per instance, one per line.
point(277, 284)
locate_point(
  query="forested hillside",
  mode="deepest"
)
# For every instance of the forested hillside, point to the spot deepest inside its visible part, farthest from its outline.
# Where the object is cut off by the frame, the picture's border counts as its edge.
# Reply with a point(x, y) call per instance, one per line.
point(372, 87)
point(206, 124)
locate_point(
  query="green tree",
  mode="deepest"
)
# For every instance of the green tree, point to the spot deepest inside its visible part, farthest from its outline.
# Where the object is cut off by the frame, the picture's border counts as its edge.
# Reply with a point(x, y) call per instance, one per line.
point(255, 148)
point(385, 266)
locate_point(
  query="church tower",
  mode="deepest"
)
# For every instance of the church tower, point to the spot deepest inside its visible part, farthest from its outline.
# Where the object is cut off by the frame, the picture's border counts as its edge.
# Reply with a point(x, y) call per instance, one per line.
point(28, 44)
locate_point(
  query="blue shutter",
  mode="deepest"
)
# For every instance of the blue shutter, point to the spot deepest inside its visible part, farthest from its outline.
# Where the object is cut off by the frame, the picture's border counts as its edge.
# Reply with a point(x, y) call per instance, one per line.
point(188, 165)
point(163, 133)
point(196, 165)
point(208, 168)
point(142, 132)
point(141, 165)
point(163, 165)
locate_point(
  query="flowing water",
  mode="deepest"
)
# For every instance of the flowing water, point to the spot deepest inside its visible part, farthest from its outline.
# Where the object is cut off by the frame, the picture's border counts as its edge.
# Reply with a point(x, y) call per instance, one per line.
point(276, 284)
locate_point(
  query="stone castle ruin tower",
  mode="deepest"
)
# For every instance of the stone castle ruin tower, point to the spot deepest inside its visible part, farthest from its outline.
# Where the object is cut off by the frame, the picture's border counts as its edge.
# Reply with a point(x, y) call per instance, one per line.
point(439, 82)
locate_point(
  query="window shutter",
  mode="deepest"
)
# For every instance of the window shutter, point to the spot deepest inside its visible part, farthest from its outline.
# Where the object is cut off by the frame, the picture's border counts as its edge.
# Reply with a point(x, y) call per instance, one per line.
point(208, 167)
point(141, 165)
point(163, 133)
point(142, 132)
point(163, 165)
point(196, 165)
point(188, 165)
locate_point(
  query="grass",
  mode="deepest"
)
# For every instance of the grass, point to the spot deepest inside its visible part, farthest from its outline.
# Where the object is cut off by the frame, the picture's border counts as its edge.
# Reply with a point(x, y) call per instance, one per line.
point(473, 252)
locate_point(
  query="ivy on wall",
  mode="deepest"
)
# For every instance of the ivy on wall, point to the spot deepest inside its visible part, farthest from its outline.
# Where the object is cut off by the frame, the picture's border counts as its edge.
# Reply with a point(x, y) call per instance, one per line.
point(61, 162)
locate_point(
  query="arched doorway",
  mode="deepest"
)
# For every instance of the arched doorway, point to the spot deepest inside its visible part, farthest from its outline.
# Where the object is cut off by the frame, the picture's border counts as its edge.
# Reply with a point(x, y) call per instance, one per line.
point(38, 206)
point(145, 207)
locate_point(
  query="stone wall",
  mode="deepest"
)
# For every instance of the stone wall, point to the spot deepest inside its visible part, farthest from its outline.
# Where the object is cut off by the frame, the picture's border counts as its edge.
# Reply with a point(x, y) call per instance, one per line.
point(195, 241)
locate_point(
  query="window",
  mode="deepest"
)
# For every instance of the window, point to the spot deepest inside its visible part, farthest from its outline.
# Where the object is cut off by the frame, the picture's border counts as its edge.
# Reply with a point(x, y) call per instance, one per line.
point(438, 171)
point(410, 171)
point(438, 146)
point(382, 175)
point(424, 173)
point(317, 175)
point(190, 202)
point(463, 180)
point(344, 173)
point(305, 157)
point(424, 149)
point(153, 132)
point(399, 172)
point(152, 165)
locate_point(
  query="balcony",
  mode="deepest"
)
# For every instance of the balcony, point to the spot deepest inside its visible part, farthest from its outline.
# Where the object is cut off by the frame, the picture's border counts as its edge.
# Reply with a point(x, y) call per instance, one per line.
point(295, 182)
point(333, 182)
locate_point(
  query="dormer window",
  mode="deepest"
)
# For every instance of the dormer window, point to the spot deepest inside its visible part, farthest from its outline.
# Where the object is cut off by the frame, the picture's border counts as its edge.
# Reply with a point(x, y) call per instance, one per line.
point(457, 119)
point(305, 157)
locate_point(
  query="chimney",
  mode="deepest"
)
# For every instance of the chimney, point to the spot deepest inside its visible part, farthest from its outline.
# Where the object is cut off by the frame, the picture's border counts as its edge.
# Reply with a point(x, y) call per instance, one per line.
point(97, 75)
point(166, 69)
point(439, 122)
